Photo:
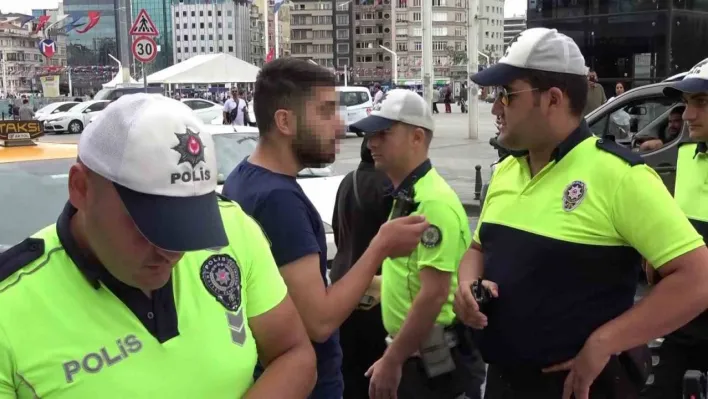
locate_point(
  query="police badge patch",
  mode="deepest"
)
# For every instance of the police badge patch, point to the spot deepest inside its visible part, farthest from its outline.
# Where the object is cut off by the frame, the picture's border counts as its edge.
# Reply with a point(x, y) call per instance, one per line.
point(574, 195)
point(222, 278)
point(431, 237)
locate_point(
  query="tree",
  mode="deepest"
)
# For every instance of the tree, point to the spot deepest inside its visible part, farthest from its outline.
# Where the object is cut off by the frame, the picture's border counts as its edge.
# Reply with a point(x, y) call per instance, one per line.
point(457, 57)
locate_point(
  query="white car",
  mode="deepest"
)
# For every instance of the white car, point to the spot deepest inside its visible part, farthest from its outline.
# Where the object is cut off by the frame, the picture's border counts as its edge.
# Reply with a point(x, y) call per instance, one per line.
point(204, 109)
point(355, 104)
point(53, 109)
point(75, 119)
point(234, 144)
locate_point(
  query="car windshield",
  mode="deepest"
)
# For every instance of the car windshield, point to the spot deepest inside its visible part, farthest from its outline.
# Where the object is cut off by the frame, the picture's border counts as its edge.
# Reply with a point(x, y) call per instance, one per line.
point(47, 108)
point(232, 148)
point(34, 193)
point(78, 107)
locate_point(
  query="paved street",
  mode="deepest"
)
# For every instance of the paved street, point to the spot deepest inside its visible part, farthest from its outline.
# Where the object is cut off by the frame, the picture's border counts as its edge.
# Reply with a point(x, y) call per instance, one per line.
point(452, 153)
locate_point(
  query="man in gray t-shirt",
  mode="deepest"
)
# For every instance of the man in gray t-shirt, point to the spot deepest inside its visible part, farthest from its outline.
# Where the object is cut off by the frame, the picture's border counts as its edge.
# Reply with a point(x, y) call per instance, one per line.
point(26, 113)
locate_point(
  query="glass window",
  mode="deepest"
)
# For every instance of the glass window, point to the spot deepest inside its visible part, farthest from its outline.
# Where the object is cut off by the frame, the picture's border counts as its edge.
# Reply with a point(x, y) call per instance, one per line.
point(626, 119)
point(688, 29)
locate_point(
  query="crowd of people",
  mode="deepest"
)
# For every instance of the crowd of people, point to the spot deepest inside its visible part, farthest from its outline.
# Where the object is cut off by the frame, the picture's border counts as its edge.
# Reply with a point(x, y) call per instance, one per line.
point(151, 284)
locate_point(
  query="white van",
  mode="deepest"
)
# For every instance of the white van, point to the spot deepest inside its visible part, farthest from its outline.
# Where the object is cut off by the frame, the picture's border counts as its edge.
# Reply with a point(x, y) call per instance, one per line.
point(355, 103)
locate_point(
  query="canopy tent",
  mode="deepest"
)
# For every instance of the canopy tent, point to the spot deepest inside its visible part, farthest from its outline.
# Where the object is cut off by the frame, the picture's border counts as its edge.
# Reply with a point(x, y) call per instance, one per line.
point(116, 81)
point(207, 68)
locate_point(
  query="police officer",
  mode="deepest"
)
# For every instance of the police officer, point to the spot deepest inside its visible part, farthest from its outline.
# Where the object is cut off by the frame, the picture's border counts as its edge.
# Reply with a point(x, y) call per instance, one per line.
point(422, 359)
point(687, 348)
point(140, 289)
point(558, 239)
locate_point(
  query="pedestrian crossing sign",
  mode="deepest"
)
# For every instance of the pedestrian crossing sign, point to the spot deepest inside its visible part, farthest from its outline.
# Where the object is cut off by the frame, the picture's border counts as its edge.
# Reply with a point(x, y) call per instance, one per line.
point(143, 25)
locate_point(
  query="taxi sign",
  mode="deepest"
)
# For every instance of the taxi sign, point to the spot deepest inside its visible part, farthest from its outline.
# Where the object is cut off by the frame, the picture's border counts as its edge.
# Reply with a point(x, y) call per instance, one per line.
point(20, 133)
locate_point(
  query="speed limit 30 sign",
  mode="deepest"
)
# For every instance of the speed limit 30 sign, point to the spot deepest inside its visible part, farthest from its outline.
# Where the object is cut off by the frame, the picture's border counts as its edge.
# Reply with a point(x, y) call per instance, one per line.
point(144, 48)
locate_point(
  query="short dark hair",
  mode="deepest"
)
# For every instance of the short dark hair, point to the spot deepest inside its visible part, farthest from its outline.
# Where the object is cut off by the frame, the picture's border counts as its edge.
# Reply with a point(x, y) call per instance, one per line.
point(574, 86)
point(677, 110)
point(285, 83)
point(25, 101)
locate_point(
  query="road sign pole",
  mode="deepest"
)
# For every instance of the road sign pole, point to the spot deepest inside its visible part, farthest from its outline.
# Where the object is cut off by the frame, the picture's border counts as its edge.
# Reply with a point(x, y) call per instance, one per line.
point(145, 79)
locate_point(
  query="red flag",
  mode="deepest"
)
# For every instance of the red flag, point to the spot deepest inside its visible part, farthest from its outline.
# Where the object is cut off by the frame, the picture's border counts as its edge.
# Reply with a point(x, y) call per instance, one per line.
point(270, 55)
point(94, 17)
point(42, 21)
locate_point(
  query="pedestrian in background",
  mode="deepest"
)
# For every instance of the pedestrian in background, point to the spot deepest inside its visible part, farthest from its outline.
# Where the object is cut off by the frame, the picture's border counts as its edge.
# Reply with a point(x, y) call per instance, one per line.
point(26, 113)
point(297, 111)
point(596, 93)
point(560, 237)
point(423, 358)
point(362, 206)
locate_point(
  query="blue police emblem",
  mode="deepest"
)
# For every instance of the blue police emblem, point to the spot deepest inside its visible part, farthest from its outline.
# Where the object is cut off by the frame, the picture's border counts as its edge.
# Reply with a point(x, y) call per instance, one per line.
point(574, 195)
point(222, 278)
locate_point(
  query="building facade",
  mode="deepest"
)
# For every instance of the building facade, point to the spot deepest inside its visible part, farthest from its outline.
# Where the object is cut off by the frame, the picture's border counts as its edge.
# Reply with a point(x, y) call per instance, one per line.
point(312, 31)
point(20, 58)
point(219, 26)
point(258, 52)
point(512, 27)
point(284, 30)
point(491, 35)
point(343, 47)
point(93, 47)
point(628, 41)
point(159, 12)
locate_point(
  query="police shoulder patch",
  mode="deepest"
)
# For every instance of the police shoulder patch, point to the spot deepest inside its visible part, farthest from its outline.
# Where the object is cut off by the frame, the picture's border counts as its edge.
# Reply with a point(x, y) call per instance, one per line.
point(632, 158)
point(573, 195)
point(432, 236)
point(20, 255)
point(221, 276)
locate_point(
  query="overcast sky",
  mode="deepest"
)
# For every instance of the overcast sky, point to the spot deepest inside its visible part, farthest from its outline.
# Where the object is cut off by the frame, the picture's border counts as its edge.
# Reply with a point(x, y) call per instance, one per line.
point(512, 7)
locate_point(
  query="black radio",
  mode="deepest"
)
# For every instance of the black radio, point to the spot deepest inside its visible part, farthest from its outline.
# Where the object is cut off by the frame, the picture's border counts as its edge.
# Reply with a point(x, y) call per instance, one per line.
point(404, 204)
point(481, 293)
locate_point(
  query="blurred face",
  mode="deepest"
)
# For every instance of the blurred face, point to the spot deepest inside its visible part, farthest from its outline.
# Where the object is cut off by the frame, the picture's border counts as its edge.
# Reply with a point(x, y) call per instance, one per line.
point(394, 148)
point(519, 116)
point(619, 89)
point(234, 94)
point(592, 78)
point(696, 115)
point(112, 236)
point(317, 129)
point(675, 123)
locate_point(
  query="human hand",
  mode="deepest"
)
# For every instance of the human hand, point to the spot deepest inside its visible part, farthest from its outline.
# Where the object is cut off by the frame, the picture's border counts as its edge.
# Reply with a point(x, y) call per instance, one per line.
point(584, 369)
point(400, 236)
point(384, 378)
point(466, 307)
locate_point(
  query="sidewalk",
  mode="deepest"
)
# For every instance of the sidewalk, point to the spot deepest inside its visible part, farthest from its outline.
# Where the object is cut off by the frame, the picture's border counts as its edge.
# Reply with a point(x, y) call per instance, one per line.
point(451, 152)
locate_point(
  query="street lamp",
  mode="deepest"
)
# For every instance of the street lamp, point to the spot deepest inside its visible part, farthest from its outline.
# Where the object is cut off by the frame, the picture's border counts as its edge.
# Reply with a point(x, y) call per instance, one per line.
point(395, 63)
point(485, 56)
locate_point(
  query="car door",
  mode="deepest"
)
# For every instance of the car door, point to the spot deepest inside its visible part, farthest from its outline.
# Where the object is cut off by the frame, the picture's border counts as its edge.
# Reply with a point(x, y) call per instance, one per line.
point(641, 117)
point(92, 110)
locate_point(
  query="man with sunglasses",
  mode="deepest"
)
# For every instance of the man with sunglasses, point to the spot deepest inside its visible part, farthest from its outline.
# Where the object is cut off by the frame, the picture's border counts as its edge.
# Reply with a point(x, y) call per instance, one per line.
point(560, 237)
point(687, 347)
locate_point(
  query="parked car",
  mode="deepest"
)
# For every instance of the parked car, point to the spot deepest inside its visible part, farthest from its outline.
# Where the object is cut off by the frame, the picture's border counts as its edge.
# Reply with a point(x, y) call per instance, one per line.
point(204, 109)
point(53, 108)
point(75, 119)
point(355, 103)
point(114, 93)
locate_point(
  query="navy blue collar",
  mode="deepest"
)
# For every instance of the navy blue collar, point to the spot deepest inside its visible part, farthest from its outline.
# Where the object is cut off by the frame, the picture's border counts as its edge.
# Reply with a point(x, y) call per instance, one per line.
point(407, 183)
point(578, 135)
point(701, 148)
point(91, 269)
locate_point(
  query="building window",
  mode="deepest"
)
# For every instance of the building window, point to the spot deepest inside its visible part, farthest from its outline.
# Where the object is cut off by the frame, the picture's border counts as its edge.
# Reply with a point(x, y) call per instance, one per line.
point(221, 49)
point(439, 46)
point(416, 17)
point(417, 31)
point(343, 19)
point(194, 49)
point(402, 46)
point(201, 13)
point(343, 48)
point(219, 25)
point(209, 13)
point(459, 17)
point(201, 25)
point(221, 37)
point(179, 49)
point(184, 25)
point(440, 3)
point(211, 37)
point(342, 33)
point(230, 36)
point(211, 25)
point(343, 5)
point(211, 49)
point(439, 30)
point(202, 49)
point(176, 14)
point(184, 13)
point(418, 46)
point(192, 13)
point(186, 37)
point(231, 49)
point(194, 37)
point(343, 61)
point(439, 17)
point(218, 13)
point(201, 37)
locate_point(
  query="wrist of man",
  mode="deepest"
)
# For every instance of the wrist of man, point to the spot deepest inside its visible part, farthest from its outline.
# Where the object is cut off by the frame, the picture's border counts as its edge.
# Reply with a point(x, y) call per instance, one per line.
point(378, 248)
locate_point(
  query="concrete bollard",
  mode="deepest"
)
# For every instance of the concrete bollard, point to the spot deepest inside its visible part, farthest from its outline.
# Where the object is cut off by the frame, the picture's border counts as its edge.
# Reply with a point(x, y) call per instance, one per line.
point(477, 182)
